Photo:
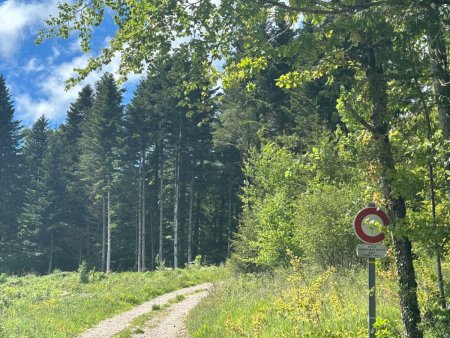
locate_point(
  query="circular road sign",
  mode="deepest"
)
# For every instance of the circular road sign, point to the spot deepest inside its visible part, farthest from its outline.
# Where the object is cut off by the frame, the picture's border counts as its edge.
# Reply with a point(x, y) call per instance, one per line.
point(367, 225)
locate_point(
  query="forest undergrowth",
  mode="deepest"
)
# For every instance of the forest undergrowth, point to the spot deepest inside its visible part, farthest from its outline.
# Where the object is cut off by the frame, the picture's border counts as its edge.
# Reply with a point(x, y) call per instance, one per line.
point(64, 304)
point(307, 301)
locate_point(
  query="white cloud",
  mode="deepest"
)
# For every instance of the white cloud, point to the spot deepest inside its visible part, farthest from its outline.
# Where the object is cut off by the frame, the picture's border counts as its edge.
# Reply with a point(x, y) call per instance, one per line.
point(52, 99)
point(34, 65)
point(19, 18)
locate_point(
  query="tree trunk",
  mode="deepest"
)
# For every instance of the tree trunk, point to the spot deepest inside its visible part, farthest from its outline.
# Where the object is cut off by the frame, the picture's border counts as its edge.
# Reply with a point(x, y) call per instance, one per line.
point(197, 235)
point(441, 76)
point(80, 252)
point(108, 253)
point(152, 249)
point(139, 225)
point(191, 207)
point(88, 229)
point(432, 186)
point(136, 239)
point(143, 214)
point(161, 206)
point(176, 201)
point(230, 213)
point(104, 234)
point(50, 256)
point(395, 204)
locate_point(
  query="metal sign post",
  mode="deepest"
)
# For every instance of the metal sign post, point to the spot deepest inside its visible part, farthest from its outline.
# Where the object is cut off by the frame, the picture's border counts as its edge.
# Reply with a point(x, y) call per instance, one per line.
point(372, 298)
point(367, 232)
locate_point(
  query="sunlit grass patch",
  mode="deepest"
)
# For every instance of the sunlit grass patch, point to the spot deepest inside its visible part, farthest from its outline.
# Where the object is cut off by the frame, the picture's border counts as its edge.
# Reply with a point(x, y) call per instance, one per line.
point(58, 305)
point(311, 303)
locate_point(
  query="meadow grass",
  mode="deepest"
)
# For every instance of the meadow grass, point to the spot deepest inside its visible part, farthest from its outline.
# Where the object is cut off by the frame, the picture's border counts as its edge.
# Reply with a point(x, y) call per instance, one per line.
point(59, 305)
point(305, 302)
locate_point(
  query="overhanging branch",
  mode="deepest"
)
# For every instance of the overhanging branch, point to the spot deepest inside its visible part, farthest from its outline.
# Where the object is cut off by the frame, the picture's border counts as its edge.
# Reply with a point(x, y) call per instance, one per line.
point(324, 7)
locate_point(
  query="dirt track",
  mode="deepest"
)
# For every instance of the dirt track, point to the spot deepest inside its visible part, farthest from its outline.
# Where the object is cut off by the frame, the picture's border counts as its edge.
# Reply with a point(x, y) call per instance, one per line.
point(170, 324)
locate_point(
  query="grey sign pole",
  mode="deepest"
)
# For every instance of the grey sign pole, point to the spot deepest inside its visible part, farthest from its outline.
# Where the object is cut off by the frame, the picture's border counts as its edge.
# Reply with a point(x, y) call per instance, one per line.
point(372, 297)
point(371, 250)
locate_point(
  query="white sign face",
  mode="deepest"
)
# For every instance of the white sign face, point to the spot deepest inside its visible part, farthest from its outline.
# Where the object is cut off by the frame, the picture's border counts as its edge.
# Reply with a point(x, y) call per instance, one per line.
point(371, 225)
point(371, 250)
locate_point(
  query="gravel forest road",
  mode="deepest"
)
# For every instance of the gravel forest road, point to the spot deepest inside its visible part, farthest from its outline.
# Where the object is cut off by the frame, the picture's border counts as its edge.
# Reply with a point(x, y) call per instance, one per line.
point(168, 324)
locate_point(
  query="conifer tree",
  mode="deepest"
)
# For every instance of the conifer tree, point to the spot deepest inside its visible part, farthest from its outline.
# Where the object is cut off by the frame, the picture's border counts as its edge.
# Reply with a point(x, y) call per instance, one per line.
point(10, 169)
point(34, 212)
point(56, 238)
point(77, 198)
point(100, 148)
point(141, 123)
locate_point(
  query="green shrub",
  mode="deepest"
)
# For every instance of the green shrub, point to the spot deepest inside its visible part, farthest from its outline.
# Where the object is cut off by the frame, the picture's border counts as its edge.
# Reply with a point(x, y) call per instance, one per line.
point(83, 273)
point(288, 209)
point(323, 223)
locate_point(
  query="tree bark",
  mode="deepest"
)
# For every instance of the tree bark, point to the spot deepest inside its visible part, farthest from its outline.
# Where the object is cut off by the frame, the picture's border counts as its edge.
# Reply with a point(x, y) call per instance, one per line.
point(136, 238)
point(176, 200)
point(191, 206)
point(139, 225)
point(143, 214)
point(441, 76)
point(395, 204)
point(230, 212)
point(50, 256)
point(104, 234)
point(441, 84)
point(152, 249)
point(161, 206)
point(80, 252)
point(108, 253)
point(432, 186)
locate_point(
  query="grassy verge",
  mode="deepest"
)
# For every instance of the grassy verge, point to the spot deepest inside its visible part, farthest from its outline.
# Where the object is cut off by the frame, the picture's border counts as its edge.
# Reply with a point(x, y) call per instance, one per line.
point(302, 303)
point(58, 305)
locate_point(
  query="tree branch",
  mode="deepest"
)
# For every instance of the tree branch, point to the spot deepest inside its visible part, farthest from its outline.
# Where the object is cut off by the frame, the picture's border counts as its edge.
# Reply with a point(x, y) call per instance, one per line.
point(359, 119)
point(324, 8)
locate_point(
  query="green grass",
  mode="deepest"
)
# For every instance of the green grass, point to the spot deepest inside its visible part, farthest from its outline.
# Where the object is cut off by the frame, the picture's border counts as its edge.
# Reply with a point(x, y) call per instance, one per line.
point(304, 303)
point(58, 305)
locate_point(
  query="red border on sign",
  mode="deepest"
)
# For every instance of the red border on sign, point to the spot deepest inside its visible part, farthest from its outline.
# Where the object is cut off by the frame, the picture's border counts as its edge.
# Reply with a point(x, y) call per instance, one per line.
point(357, 224)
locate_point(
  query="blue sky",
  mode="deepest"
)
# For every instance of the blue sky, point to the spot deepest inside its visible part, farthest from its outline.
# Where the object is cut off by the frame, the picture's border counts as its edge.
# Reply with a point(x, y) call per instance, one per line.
point(35, 74)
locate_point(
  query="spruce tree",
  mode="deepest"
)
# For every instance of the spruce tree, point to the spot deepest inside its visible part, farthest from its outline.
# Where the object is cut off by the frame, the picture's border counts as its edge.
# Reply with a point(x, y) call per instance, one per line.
point(141, 123)
point(10, 169)
point(79, 226)
point(100, 153)
point(34, 212)
point(56, 239)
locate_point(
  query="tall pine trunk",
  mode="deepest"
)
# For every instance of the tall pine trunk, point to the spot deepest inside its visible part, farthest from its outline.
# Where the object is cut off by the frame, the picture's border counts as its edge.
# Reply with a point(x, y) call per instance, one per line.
point(176, 200)
point(139, 225)
point(108, 253)
point(143, 215)
point(103, 233)
point(88, 229)
point(190, 218)
point(152, 245)
point(230, 213)
point(395, 204)
point(50, 255)
point(161, 206)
